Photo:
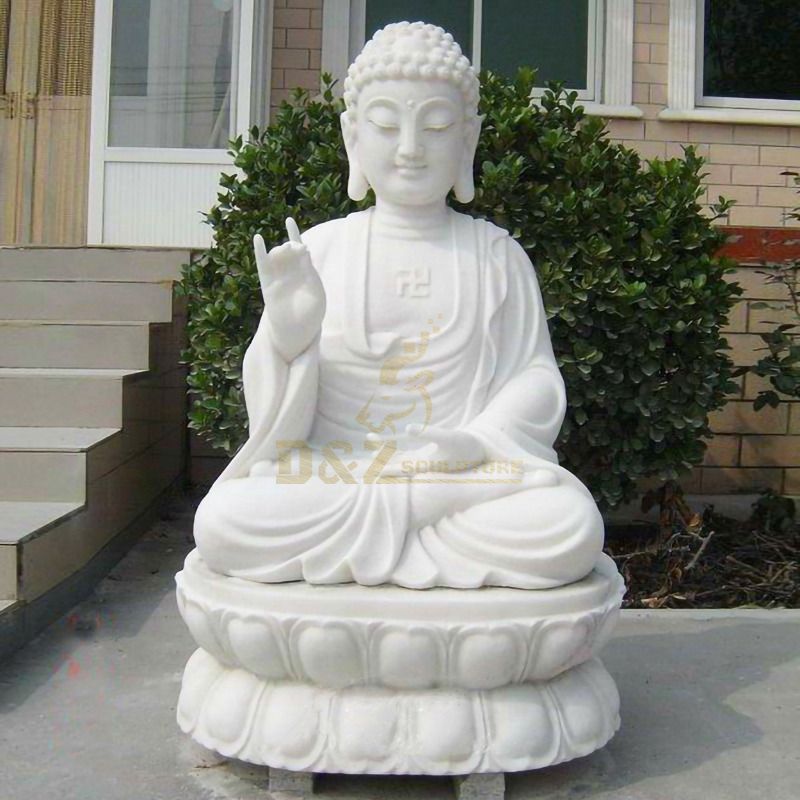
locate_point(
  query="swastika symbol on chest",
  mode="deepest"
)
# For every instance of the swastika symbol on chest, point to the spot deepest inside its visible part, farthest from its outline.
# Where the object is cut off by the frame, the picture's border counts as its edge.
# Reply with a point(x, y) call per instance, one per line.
point(413, 282)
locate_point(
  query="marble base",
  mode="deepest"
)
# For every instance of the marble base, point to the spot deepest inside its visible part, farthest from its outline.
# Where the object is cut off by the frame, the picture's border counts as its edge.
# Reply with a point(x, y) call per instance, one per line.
point(385, 680)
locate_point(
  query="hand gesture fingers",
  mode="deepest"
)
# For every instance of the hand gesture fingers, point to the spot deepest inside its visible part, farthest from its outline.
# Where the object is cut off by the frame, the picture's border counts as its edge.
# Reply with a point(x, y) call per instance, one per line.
point(261, 251)
point(262, 259)
point(294, 297)
point(282, 260)
point(293, 231)
point(292, 254)
point(273, 263)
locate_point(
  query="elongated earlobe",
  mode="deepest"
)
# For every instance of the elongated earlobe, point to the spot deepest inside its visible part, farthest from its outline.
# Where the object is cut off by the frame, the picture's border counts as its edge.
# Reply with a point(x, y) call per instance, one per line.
point(357, 184)
point(464, 187)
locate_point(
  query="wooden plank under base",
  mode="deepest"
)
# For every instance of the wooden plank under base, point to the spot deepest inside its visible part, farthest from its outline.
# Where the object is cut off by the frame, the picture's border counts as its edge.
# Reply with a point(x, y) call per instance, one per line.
point(300, 784)
point(480, 786)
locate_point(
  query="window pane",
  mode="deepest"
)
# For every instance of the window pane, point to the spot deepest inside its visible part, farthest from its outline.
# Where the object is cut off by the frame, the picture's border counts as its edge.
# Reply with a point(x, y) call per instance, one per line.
point(550, 35)
point(752, 49)
point(455, 16)
point(129, 48)
point(171, 67)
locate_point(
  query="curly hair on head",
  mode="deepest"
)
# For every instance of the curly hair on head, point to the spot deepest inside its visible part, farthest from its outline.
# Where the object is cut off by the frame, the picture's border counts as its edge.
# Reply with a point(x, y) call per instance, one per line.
point(415, 50)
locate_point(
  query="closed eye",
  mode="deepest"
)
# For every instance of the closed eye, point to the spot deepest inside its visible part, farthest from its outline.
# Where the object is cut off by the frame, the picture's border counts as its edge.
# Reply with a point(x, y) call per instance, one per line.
point(384, 126)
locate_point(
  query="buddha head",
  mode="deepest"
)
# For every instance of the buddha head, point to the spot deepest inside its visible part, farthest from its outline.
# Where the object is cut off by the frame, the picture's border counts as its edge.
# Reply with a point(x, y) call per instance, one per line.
point(411, 121)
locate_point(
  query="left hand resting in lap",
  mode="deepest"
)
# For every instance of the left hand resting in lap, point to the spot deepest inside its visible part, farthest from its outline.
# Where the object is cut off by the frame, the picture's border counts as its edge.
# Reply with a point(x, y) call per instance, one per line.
point(447, 450)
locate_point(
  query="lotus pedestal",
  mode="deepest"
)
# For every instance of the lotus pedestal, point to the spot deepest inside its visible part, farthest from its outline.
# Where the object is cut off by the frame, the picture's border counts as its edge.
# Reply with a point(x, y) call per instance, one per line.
point(385, 680)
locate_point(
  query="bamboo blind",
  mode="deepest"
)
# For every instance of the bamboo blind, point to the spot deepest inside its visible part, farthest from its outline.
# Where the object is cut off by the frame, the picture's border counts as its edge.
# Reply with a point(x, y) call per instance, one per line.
point(5, 7)
point(65, 48)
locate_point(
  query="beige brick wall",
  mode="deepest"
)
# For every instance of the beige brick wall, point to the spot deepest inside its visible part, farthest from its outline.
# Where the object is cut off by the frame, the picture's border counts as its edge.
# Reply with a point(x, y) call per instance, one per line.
point(296, 47)
point(752, 450)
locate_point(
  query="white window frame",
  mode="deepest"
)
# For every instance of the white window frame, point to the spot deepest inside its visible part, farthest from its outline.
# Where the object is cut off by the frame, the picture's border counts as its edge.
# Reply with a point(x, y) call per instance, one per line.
point(609, 57)
point(685, 99)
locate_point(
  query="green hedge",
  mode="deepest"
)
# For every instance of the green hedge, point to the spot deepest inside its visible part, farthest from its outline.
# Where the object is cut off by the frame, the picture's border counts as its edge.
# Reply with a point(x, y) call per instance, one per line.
point(626, 260)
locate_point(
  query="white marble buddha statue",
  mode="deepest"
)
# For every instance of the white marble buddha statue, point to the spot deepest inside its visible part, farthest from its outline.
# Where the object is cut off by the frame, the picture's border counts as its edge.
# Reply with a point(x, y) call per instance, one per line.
point(402, 393)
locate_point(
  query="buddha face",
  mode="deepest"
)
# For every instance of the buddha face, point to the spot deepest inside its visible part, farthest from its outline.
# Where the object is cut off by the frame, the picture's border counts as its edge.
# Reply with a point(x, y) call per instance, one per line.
point(412, 140)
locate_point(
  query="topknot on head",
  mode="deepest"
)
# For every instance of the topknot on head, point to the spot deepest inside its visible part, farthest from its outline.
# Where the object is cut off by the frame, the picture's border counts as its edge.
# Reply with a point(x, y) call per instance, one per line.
point(412, 50)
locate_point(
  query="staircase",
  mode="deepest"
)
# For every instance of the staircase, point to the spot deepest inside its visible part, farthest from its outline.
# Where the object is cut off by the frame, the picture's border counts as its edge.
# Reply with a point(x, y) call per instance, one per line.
point(92, 418)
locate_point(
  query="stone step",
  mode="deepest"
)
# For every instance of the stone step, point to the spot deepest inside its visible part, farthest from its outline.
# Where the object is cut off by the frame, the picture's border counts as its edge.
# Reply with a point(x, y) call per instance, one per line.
point(25, 523)
point(59, 439)
point(63, 344)
point(20, 520)
point(78, 398)
point(47, 464)
point(44, 544)
point(66, 493)
point(92, 400)
point(86, 300)
point(41, 475)
point(44, 474)
point(140, 265)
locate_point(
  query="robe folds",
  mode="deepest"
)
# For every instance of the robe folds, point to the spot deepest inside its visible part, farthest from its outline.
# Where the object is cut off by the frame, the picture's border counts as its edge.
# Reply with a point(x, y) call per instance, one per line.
point(517, 520)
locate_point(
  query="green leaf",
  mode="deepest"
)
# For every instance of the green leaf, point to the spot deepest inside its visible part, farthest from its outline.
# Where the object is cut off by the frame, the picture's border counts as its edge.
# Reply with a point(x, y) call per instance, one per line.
point(766, 398)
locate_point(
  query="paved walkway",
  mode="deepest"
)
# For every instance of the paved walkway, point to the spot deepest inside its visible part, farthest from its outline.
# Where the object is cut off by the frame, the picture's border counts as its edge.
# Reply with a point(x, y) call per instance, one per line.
point(710, 705)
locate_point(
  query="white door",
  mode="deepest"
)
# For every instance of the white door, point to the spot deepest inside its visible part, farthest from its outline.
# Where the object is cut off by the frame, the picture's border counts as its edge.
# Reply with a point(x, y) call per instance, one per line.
point(173, 82)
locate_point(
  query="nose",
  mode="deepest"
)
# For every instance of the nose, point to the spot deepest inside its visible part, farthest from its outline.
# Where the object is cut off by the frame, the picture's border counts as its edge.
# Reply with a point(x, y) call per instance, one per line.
point(409, 148)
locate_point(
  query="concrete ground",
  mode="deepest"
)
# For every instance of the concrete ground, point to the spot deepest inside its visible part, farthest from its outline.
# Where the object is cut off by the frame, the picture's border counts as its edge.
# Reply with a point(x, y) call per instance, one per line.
point(710, 706)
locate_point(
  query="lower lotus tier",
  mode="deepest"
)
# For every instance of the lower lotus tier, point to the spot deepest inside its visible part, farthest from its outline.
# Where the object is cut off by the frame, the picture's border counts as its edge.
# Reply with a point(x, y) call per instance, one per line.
point(374, 730)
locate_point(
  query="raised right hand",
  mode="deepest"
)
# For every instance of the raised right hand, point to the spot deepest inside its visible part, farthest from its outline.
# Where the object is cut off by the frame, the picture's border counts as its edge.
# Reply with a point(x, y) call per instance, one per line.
point(294, 299)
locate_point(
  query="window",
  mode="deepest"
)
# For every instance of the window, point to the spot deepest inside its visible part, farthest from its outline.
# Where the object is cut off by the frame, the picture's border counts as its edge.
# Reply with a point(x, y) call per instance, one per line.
point(587, 44)
point(734, 61)
point(171, 73)
point(452, 15)
point(750, 54)
point(561, 39)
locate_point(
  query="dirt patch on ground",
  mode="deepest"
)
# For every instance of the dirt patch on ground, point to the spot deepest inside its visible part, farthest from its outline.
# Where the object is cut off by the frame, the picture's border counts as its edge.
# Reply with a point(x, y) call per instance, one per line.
point(708, 560)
